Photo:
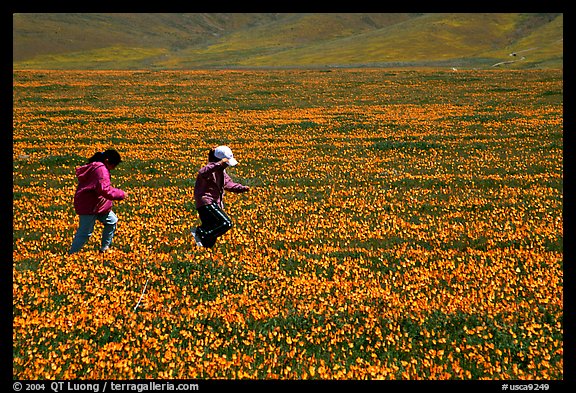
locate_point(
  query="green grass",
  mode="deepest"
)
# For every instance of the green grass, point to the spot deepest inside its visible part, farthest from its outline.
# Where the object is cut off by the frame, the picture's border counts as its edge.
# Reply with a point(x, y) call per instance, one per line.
point(186, 41)
point(412, 203)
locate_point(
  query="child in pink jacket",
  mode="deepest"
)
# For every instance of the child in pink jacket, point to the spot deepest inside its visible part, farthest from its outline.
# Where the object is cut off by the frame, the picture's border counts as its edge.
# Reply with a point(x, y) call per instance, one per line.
point(93, 199)
point(211, 182)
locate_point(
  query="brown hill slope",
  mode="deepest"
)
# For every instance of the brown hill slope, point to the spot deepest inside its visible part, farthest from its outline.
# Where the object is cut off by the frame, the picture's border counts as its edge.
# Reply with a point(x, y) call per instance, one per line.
point(176, 41)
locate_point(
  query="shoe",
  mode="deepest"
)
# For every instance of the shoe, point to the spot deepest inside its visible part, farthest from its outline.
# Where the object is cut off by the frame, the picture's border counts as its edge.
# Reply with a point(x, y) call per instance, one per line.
point(196, 237)
point(103, 250)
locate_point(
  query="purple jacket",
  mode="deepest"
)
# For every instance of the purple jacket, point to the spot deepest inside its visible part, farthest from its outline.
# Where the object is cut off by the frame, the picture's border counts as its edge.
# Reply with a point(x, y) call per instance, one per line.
point(211, 182)
point(94, 194)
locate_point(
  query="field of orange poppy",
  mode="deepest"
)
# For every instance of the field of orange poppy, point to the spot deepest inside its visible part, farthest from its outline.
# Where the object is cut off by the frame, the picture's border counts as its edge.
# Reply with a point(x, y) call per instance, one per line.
point(401, 225)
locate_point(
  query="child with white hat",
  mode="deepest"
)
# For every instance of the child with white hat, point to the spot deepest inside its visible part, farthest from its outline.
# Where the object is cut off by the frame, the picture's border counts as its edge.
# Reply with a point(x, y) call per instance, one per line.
point(211, 182)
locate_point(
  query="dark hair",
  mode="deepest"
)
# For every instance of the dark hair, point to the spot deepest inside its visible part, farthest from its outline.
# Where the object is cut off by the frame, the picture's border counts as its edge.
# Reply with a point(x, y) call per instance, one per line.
point(211, 156)
point(111, 155)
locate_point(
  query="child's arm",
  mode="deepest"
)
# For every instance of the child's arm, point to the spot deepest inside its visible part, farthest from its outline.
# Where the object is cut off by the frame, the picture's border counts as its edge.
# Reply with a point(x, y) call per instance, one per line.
point(211, 167)
point(104, 188)
point(229, 185)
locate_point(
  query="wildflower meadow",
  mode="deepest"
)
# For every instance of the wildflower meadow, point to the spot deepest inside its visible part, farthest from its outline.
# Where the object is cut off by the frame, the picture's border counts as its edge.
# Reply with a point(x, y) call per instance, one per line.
point(401, 225)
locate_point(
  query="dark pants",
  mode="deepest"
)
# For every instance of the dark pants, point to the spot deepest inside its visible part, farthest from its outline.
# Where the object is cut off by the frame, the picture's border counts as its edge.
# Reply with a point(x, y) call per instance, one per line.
point(215, 223)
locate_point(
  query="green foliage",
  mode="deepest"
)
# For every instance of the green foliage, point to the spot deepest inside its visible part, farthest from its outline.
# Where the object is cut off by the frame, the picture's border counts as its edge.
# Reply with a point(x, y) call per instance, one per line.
point(383, 238)
point(186, 41)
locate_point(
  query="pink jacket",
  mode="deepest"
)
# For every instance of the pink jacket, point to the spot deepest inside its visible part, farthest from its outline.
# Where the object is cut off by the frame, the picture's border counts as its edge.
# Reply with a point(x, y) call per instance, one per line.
point(94, 194)
point(211, 182)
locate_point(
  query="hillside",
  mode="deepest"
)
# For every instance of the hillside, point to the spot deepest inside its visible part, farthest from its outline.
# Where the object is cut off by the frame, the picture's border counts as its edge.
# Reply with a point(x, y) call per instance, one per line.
point(182, 41)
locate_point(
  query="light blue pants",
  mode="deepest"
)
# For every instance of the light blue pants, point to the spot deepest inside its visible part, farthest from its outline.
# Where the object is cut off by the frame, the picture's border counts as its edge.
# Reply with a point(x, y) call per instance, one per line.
point(86, 227)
